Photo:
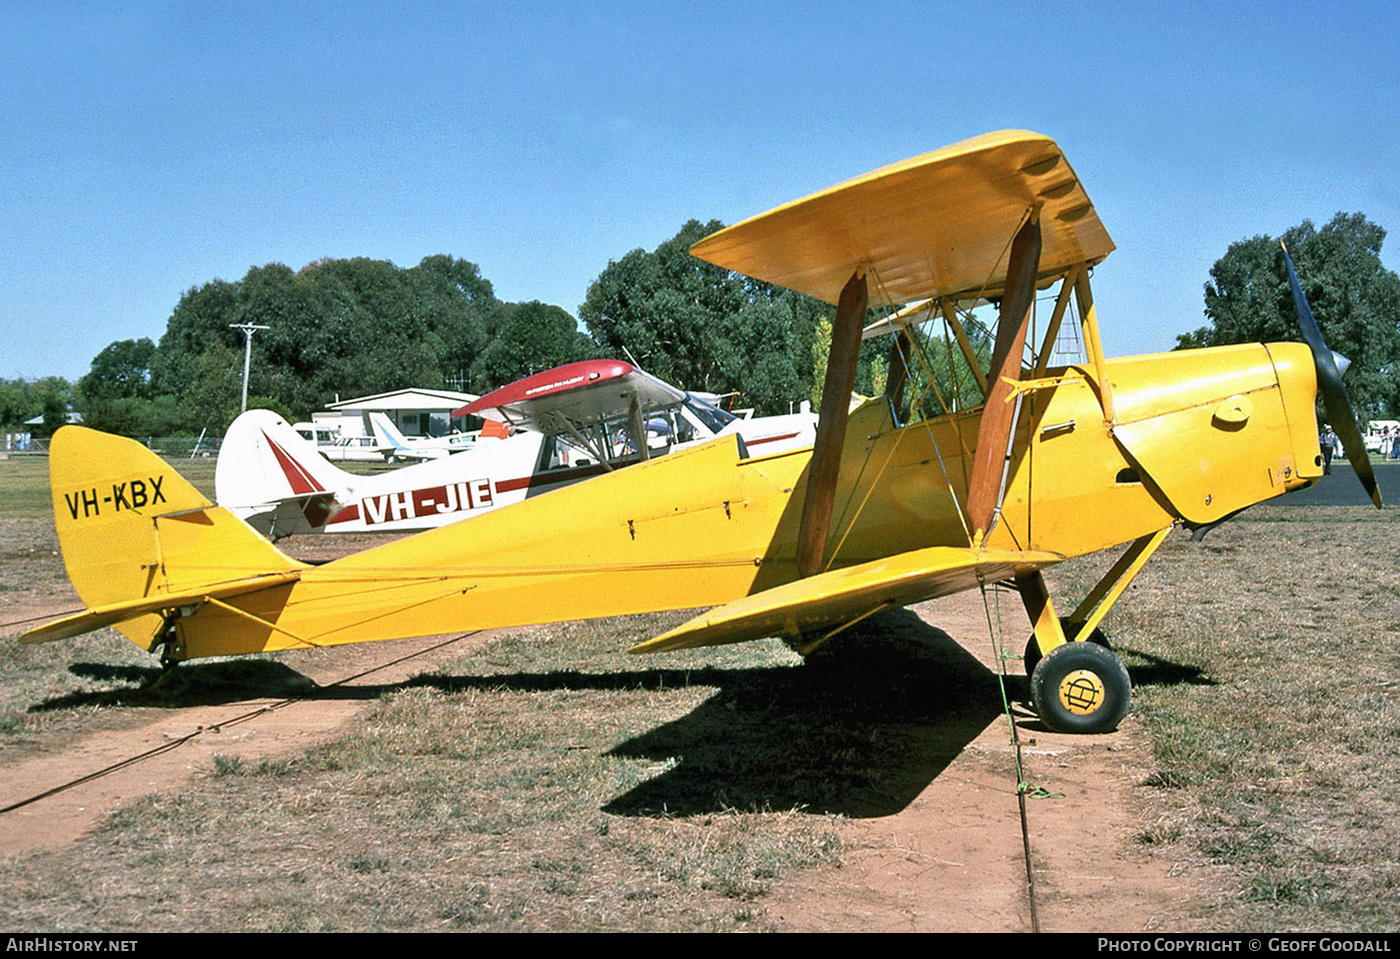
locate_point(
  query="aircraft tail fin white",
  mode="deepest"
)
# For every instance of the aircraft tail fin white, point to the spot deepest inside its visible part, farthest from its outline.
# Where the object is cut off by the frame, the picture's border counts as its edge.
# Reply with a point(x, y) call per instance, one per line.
point(389, 435)
point(140, 542)
point(274, 480)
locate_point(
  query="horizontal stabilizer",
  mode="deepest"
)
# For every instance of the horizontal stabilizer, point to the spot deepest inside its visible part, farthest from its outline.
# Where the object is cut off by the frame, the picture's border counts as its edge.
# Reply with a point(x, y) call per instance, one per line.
point(114, 613)
point(842, 595)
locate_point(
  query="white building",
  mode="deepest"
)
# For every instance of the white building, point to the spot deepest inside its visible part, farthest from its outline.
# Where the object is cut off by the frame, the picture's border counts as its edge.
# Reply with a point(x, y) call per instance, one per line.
point(415, 412)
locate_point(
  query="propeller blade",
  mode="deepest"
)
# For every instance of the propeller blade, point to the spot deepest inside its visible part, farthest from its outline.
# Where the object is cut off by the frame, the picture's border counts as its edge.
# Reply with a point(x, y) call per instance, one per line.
point(1334, 393)
point(831, 425)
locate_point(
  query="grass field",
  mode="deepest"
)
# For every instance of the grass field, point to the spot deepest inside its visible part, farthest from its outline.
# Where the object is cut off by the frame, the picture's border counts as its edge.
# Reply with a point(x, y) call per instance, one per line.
point(1268, 677)
point(547, 783)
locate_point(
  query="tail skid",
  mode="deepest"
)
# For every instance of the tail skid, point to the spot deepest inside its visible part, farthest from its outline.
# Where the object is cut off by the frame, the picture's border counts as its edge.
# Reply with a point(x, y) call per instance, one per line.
point(141, 544)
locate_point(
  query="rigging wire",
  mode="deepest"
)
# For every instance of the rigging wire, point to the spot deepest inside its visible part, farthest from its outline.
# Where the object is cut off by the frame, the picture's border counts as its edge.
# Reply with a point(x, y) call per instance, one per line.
point(6, 626)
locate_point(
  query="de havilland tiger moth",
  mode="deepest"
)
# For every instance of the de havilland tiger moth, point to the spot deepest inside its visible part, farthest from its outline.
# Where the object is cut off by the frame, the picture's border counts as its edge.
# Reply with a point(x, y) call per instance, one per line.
point(897, 502)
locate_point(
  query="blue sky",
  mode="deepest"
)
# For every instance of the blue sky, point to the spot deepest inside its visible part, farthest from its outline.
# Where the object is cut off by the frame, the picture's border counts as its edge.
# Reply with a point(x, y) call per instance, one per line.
point(149, 147)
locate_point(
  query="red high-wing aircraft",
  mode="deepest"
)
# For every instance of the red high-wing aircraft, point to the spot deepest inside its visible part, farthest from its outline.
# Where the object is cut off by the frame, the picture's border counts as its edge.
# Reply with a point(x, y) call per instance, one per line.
point(574, 421)
point(911, 496)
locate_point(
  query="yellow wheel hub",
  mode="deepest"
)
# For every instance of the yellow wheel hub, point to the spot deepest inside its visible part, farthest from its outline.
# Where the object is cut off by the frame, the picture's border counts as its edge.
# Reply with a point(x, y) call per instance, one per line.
point(1081, 692)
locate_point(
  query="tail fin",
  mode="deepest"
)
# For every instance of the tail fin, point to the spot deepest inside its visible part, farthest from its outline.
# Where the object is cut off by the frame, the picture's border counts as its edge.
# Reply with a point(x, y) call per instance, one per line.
point(273, 479)
point(140, 541)
point(389, 435)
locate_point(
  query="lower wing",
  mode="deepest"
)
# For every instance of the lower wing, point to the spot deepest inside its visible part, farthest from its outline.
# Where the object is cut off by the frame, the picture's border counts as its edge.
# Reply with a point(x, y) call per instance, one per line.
point(842, 596)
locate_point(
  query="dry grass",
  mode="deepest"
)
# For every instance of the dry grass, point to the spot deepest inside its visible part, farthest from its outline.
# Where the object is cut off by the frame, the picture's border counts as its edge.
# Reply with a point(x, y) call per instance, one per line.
point(1266, 669)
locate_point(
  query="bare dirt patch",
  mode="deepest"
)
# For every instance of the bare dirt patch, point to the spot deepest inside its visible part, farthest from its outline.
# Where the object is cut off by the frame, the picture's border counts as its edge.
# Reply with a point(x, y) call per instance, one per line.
point(262, 709)
point(953, 859)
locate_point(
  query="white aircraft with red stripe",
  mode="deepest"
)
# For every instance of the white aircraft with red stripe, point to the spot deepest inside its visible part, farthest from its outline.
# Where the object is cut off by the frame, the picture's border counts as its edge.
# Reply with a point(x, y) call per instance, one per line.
point(570, 423)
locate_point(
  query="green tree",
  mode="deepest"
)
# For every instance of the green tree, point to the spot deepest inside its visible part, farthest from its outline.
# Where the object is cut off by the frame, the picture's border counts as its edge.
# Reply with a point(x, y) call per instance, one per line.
point(702, 327)
point(337, 327)
point(13, 408)
point(531, 337)
point(115, 395)
point(199, 359)
point(122, 369)
point(458, 304)
point(22, 400)
point(821, 352)
point(55, 412)
point(656, 306)
point(1355, 299)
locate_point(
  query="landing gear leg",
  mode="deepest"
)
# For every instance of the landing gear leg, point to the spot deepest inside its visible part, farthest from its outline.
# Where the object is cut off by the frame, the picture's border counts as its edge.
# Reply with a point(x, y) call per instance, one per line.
point(1077, 683)
point(168, 643)
point(1049, 629)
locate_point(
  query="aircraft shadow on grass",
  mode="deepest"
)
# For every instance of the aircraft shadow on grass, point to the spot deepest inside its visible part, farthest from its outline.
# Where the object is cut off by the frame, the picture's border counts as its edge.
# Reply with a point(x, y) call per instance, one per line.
point(202, 684)
point(860, 729)
point(1149, 670)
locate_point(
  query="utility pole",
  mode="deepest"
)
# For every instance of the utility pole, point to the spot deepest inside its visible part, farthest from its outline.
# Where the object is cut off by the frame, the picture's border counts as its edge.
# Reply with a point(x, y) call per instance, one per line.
point(248, 330)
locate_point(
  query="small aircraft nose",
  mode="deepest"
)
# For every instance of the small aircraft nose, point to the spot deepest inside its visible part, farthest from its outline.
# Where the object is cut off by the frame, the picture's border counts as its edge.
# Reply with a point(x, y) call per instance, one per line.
point(1342, 362)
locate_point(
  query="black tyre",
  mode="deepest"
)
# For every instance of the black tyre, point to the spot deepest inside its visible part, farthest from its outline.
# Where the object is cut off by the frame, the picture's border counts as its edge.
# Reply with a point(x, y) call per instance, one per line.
point(1081, 688)
point(1071, 628)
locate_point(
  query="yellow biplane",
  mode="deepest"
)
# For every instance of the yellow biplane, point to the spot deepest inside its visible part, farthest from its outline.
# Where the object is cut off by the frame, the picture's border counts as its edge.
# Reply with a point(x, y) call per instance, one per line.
point(900, 500)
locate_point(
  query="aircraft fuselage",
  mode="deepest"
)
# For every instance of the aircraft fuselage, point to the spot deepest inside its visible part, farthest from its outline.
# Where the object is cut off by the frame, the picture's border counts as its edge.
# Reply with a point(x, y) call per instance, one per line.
point(1197, 436)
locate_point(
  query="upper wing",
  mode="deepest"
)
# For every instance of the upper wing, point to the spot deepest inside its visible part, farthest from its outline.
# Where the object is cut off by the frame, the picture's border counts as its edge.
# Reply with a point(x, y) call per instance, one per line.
point(937, 224)
point(843, 595)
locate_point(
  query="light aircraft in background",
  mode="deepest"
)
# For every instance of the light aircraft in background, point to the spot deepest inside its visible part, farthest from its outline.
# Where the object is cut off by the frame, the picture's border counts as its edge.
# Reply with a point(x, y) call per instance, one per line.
point(1380, 434)
point(595, 408)
point(397, 446)
point(905, 499)
point(553, 429)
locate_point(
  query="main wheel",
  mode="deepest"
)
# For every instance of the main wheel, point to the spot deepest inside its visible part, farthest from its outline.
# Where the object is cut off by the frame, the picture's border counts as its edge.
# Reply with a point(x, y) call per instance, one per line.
point(1081, 688)
point(1071, 628)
